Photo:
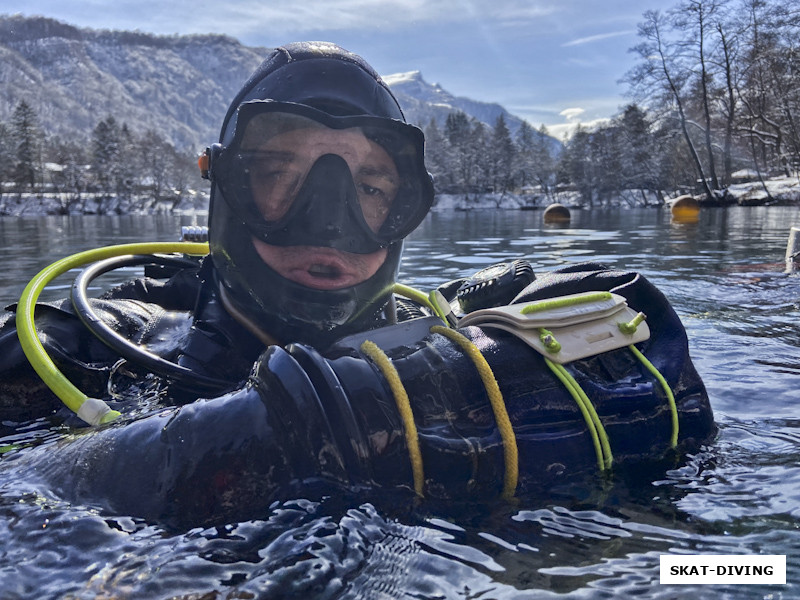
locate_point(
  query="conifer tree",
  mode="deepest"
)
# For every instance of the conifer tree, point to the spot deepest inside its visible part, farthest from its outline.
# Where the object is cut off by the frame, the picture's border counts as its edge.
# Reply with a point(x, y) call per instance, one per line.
point(524, 158)
point(106, 155)
point(71, 181)
point(26, 139)
point(126, 172)
point(637, 149)
point(503, 157)
point(436, 152)
point(543, 159)
point(458, 131)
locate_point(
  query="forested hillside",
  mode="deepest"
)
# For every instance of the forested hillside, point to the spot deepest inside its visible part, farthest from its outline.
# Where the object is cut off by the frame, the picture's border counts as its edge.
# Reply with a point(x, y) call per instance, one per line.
point(99, 120)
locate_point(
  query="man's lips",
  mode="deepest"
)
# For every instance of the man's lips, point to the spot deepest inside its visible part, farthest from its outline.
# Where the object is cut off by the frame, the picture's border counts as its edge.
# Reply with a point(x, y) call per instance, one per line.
point(320, 269)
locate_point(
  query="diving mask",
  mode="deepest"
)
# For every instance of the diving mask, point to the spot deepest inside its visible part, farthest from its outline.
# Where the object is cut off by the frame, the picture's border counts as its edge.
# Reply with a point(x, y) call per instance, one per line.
point(298, 176)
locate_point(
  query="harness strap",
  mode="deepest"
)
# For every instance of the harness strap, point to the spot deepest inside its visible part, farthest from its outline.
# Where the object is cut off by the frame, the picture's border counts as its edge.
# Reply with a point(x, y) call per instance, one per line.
point(388, 370)
point(510, 450)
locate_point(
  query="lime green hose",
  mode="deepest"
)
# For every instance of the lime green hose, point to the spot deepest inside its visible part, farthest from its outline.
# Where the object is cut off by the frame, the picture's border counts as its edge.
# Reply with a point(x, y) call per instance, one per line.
point(91, 410)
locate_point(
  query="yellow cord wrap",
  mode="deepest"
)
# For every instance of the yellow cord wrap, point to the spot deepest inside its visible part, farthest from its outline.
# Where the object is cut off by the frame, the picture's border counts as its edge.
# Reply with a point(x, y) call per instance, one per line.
point(602, 447)
point(673, 440)
point(41, 362)
point(386, 367)
point(510, 450)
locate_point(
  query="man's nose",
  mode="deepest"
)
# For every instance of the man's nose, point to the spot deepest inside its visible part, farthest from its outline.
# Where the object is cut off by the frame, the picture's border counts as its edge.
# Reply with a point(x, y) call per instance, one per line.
point(329, 190)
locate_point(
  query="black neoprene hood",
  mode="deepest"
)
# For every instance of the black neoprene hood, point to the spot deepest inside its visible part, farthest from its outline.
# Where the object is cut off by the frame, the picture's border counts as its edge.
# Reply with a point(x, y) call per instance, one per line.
point(320, 75)
point(327, 78)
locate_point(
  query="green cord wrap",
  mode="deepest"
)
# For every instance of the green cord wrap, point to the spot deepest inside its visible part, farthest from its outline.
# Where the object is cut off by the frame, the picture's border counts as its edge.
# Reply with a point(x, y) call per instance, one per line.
point(595, 427)
point(549, 341)
point(542, 305)
point(602, 447)
point(673, 409)
point(630, 327)
point(91, 410)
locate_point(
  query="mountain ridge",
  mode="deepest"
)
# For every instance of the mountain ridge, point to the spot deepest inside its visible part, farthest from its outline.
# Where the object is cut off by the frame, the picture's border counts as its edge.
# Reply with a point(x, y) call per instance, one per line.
point(177, 85)
point(424, 101)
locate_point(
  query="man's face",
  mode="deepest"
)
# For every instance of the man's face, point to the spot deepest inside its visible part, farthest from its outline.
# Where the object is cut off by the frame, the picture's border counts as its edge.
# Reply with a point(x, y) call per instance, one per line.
point(284, 162)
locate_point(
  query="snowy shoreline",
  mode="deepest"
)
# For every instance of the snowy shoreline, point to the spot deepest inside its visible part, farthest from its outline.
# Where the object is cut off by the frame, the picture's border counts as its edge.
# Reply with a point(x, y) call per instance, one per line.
point(779, 191)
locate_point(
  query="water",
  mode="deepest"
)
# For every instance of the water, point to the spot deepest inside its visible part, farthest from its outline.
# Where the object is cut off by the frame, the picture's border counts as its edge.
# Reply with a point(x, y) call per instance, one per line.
point(741, 495)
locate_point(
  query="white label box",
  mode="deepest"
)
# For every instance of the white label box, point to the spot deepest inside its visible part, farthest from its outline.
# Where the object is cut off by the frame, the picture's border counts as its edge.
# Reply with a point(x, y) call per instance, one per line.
point(693, 569)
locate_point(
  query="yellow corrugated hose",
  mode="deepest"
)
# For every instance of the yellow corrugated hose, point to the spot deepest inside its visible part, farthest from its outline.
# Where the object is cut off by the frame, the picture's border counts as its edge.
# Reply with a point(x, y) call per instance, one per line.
point(91, 410)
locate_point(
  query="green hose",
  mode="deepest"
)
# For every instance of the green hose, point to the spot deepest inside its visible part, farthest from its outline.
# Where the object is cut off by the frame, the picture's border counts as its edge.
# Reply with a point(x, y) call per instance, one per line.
point(91, 410)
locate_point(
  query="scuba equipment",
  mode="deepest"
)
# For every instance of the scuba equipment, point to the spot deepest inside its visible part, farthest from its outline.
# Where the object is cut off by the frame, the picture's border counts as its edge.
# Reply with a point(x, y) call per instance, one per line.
point(476, 413)
point(494, 285)
point(288, 191)
point(322, 88)
point(92, 410)
point(569, 327)
point(127, 349)
point(481, 411)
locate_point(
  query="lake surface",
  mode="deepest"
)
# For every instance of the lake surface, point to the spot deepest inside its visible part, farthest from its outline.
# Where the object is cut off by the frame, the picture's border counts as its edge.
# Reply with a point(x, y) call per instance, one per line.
point(740, 495)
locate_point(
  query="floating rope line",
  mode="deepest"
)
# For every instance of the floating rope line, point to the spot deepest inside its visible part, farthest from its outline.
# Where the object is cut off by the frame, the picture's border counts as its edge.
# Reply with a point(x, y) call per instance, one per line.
point(388, 370)
point(510, 450)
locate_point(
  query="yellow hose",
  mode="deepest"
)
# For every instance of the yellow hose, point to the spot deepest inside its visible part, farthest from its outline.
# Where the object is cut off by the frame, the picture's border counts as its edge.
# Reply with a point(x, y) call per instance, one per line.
point(95, 411)
point(384, 363)
point(510, 449)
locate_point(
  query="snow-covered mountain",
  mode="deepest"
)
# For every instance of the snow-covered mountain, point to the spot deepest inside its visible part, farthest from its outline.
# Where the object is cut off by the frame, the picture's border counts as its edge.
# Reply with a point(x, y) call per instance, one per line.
point(179, 86)
point(423, 101)
point(73, 78)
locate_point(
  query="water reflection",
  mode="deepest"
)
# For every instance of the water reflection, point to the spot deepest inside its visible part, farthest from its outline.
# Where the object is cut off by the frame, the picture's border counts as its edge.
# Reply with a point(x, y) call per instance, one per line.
point(740, 495)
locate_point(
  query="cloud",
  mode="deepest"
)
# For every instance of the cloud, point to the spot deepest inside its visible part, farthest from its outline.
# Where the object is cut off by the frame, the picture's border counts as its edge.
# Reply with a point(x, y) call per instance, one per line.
point(502, 51)
point(566, 130)
point(572, 114)
point(596, 38)
point(573, 119)
point(287, 17)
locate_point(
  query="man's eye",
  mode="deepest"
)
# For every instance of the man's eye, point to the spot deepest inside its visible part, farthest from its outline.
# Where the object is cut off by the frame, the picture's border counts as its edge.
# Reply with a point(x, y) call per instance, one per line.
point(370, 190)
point(266, 168)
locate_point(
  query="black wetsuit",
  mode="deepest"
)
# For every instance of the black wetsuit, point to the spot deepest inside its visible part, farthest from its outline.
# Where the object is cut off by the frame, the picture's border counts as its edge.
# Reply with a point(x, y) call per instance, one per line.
point(292, 415)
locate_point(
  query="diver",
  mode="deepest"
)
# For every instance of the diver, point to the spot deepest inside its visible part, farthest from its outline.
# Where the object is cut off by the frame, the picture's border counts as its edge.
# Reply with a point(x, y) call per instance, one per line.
point(308, 369)
point(315, 182)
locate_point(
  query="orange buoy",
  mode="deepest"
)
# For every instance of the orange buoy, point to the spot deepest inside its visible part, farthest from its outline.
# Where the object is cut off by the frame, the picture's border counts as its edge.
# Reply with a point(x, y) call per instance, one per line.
point(556, 213)
point(685, 209)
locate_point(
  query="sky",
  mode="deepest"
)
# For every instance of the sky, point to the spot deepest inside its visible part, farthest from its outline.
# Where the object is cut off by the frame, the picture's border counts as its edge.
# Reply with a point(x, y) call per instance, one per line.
point(550, 62)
